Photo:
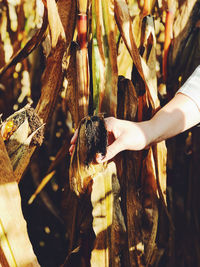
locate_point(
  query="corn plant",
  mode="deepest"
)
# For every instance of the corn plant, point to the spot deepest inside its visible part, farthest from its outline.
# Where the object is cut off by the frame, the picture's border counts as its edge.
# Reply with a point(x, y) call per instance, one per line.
point(66, 65)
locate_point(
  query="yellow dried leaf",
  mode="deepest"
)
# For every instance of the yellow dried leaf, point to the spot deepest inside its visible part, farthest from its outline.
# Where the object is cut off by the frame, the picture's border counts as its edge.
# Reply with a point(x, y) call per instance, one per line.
point(43, 183)
point(56, 27)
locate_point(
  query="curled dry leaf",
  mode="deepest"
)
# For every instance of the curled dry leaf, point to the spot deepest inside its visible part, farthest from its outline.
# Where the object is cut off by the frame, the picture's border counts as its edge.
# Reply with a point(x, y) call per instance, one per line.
point(57, 30)
point(53, 74)
point(124, 23)
point(71, 92)
point(92, 139)
point(26, 132)
point(6, 171)
point(127, 99)
point(29, 47)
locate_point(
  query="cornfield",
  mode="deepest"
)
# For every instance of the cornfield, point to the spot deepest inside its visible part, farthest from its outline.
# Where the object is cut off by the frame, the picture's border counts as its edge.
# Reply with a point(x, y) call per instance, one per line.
point(67, 64)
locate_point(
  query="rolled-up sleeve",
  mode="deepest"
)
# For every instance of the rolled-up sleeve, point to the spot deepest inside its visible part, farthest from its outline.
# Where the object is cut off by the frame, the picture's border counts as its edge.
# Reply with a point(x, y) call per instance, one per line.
point(191, 87)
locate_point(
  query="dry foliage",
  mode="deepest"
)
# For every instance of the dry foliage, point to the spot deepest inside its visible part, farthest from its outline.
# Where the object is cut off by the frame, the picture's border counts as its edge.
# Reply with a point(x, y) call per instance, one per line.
point(82, 58)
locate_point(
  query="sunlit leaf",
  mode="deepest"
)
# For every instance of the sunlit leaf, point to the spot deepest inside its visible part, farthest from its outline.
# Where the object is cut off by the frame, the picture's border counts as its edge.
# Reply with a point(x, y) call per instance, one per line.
point(29, 47)
point(43, 183)
point(55, 23)
point(125, 26)
point(108, 90)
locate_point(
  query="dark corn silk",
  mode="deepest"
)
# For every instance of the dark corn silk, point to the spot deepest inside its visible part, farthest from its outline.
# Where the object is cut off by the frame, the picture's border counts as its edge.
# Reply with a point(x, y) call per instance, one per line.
point(96, 137)
point(92, 139)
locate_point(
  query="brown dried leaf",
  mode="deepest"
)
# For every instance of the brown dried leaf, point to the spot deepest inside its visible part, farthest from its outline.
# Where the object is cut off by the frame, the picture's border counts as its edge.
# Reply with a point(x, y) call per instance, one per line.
point(149, 58)
point(53, 74)
point(108, 222)
point(127, 100)
point(71, 97)
point(6, 170)
point(183, 22)
point(125, 26)
point(56, 27)
point(150, 204)
point(28, 132)
point(29, 47)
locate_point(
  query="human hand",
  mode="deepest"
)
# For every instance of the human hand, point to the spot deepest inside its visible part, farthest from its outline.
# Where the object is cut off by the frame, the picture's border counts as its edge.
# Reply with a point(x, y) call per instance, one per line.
point(122, 135)
point(73, 142)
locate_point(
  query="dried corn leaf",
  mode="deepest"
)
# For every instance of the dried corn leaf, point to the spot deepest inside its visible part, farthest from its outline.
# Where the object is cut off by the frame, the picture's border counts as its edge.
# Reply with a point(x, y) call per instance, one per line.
point(124, 61)
point(67, 12)
point(125, 26)
point(14, 237)
point(150, 204)
point(13, 228)
point(168, 37)
point(77, 93)
point(108, 222)
point(135, 254)
point(6, 169)
point(98, 60)
point(71, 96)
point(61, 154)
point(149, 60)
point(127, 170)
point(43, 183)
point(28, 132)
point(184, 21)
point(82, 65)
point(82, 69)
point(147, 7)
point(53, 74)
point(108, 92)
point(82, 6)
point(29, 47)
point(127, 99)
point(56, 27)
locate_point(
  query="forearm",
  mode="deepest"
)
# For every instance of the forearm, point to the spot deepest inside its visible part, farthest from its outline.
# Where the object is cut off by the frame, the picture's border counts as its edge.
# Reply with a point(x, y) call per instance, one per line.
point(180, 114)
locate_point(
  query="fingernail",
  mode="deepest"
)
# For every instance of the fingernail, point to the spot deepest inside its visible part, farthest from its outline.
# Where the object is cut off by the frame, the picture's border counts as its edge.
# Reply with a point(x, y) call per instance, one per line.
point(99, 158)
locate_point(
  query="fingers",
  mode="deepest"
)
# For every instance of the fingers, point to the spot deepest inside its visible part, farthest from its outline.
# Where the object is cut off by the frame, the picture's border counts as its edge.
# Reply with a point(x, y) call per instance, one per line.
point(111, 151)
point(73, 142)
point(71, 149)
point(74, 138)
point(109, 123)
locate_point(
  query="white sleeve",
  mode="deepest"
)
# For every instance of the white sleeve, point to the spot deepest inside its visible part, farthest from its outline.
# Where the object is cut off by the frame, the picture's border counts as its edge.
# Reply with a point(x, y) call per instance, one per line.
point(191, 87)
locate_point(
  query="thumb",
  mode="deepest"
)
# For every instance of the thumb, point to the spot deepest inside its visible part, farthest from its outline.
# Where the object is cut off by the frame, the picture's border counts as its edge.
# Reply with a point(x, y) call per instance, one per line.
point(111, 151)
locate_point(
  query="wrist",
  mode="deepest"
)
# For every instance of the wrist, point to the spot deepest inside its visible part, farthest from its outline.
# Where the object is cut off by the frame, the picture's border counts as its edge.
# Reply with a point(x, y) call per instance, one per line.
point(147, 132)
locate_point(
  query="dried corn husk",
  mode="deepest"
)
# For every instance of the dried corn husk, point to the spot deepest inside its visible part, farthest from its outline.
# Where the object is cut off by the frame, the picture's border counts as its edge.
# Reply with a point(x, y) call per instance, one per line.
point(27, 132)
point(108, 221)
point(13, 230)
point(82, 170)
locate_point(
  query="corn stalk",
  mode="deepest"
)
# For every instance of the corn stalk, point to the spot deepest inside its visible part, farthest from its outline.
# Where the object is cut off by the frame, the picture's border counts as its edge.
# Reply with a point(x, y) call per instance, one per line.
point(116, 62)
